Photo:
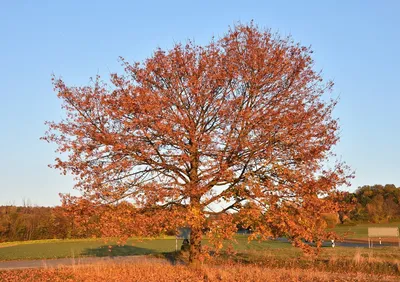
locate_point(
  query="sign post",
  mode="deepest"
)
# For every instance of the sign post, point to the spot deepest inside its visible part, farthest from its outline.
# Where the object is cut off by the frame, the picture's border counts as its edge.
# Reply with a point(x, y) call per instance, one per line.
point(382, 232)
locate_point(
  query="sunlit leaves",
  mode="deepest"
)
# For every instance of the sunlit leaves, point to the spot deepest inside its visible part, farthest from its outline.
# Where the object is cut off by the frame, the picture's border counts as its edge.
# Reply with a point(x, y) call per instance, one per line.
point(199, 130)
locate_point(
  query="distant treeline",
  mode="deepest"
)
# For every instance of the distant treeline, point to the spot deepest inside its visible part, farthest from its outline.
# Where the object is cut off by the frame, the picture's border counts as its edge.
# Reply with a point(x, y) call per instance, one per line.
point(19, 223)
point(375, 204)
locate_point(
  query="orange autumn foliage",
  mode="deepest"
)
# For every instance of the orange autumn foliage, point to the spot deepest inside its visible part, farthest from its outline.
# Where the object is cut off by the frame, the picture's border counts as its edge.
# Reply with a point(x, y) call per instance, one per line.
point(238, 127)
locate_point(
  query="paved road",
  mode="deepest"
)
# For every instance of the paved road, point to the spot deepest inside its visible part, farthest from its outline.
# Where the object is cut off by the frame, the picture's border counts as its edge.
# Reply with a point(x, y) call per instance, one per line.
point(73, 261)
point(359, 244)
point(352, 243)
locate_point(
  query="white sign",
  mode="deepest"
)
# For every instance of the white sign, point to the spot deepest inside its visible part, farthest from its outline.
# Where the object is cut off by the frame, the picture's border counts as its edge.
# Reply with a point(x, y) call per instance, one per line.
point(383, 232)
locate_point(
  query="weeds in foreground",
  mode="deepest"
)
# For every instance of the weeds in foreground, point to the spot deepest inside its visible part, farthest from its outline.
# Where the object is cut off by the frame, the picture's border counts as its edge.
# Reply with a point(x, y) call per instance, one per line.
point(360, 262)
point(162, 271)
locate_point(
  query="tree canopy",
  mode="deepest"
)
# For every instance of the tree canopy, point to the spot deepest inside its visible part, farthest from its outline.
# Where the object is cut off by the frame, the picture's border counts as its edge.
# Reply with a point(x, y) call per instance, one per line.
point(239, 126)
point(375, 203)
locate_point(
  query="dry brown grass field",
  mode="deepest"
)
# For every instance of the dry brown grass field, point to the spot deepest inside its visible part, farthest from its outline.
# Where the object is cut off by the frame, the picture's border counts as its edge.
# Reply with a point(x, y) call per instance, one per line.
point(248, 266)
point(159, 271)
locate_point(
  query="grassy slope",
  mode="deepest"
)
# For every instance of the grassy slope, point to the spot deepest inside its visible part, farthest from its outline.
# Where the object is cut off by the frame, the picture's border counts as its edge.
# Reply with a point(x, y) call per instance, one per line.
point(86, 247)
point(360, 230)
point(46, 249)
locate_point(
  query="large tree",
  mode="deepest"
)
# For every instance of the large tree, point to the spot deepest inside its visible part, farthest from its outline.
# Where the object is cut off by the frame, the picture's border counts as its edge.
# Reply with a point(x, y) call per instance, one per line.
point(239, 128)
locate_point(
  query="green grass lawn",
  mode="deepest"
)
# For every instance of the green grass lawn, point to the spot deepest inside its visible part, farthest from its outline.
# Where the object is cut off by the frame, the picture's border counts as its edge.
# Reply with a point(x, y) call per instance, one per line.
point(78, 248)
point(360, 230)
point(47, 249)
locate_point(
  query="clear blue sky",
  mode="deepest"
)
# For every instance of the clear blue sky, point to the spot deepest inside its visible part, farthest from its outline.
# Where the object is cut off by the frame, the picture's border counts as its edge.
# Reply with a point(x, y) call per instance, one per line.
point(356, 43)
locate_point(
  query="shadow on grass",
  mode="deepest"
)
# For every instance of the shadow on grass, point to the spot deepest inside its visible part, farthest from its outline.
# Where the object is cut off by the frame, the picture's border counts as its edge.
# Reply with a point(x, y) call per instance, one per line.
point(126, 250)
point(116, 251)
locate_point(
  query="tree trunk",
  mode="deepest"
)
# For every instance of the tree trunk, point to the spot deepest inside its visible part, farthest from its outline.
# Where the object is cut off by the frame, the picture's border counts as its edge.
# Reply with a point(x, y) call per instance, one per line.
point(195, 245)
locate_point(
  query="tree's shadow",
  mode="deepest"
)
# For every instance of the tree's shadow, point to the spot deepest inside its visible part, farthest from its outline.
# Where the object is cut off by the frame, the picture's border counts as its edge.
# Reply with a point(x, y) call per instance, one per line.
point(116, 251)
point(126, 250)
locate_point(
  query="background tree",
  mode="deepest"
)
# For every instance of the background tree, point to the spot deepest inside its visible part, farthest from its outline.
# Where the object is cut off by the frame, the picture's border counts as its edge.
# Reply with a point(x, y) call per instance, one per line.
point(376, 203)
point(195, 130)
point(18, 223)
